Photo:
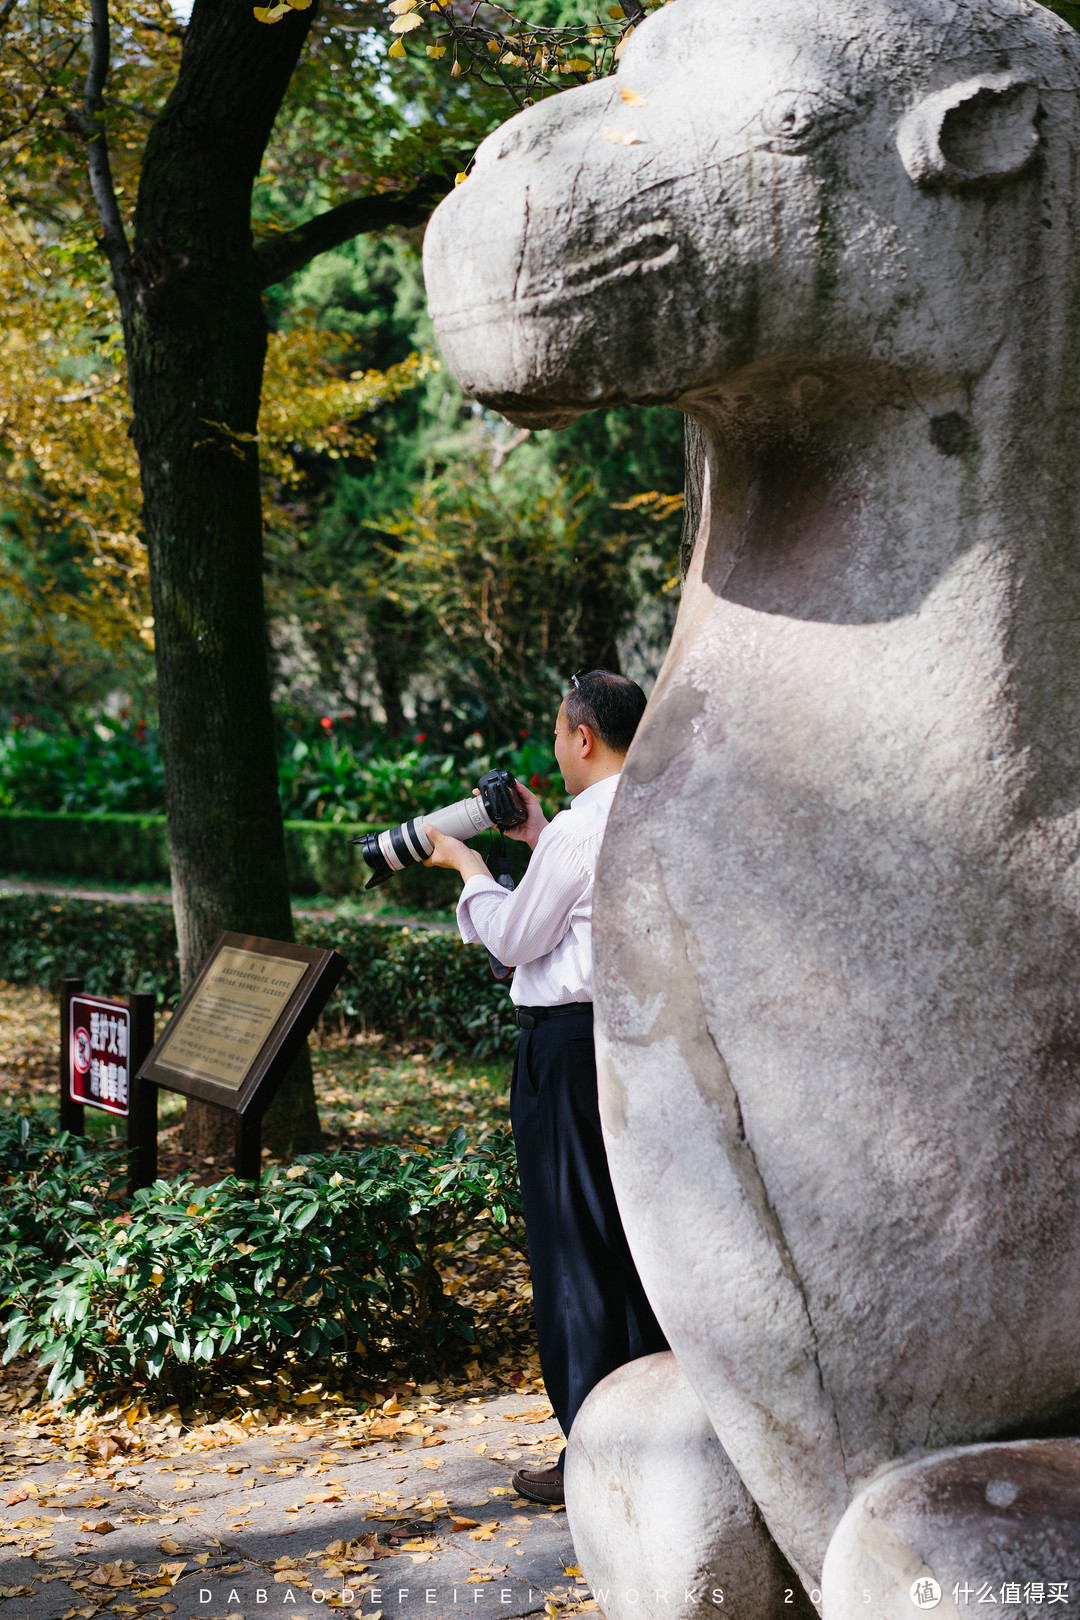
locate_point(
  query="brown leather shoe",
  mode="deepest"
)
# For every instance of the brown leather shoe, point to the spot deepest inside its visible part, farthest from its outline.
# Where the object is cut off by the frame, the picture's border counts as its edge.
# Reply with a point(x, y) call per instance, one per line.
point(540, 1485)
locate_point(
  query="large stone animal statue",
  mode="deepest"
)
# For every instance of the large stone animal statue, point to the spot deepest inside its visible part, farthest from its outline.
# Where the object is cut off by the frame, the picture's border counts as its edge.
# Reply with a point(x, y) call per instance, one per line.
point(838, 911)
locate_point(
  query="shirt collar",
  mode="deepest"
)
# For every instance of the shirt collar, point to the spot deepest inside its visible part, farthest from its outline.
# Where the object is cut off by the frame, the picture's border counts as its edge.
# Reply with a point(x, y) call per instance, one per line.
point(598, 793)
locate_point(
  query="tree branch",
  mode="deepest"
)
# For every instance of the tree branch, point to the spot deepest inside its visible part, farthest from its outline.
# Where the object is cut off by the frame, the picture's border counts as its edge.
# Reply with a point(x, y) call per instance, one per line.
point(283, 255)
point(92, 122)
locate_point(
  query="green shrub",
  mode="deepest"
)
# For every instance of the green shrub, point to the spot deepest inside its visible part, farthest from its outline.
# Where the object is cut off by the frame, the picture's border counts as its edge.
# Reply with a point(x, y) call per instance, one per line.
point(336, 1257)
point(98, 772)
point(328, 778)
point(115, 949)
point(406, 983)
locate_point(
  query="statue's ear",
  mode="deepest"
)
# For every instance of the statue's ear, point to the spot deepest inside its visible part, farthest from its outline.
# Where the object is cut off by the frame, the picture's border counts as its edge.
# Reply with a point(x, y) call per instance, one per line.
point(981, 130)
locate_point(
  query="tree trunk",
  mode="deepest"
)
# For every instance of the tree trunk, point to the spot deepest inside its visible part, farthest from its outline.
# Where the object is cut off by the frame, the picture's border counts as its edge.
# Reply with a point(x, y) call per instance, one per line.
point(198, 341)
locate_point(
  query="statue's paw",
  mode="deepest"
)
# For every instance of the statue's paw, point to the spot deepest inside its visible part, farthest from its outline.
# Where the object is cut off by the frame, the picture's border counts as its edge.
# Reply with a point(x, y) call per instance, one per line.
point(662, 1523)
point(957, 1530)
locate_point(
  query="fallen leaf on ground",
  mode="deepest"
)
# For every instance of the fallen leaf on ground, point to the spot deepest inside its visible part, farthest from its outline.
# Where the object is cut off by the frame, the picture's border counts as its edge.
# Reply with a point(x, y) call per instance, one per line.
point(168, 1545)
point(429, 1440)
point(20, 1496)
point(485, 1532)
point(109, 1575)
point(464, 1524)
point(100, 1527)
point(371, 1547)
point(632, 98)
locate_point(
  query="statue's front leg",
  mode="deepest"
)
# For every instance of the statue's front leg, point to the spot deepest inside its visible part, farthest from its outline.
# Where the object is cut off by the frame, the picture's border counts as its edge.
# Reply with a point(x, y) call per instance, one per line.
point(957, 1530)
point(662, 1524)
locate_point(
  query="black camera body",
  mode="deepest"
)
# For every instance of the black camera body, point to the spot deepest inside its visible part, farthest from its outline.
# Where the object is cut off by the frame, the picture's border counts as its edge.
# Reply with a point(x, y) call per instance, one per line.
point(502, 801)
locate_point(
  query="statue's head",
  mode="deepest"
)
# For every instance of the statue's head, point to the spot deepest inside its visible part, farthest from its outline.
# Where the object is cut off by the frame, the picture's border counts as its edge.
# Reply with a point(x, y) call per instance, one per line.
point(866, 187)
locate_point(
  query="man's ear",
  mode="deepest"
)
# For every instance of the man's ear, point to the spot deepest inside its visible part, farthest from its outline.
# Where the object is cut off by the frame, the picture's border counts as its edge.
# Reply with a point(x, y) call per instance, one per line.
point(980, 130)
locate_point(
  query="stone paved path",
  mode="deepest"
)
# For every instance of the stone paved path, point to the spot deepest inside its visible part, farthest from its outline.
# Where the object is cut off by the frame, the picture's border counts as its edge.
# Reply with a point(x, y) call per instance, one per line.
point(291, 1525)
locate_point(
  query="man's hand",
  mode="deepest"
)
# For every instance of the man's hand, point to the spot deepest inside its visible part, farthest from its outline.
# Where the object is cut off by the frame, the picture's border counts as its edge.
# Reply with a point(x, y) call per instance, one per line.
point(452, 853)
point(530, 830)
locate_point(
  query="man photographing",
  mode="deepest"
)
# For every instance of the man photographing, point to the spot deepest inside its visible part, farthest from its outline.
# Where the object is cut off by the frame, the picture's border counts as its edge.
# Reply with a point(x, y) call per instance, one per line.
point(591, 1310)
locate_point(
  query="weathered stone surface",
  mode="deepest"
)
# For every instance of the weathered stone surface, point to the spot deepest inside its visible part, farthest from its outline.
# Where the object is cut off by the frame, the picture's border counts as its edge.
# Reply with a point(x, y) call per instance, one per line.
point(660, 1519)
point(837, 911)
point(1002, 1521)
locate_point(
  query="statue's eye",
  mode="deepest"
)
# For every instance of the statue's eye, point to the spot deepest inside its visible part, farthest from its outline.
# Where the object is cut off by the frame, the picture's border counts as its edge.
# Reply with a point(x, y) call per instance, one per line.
point(796, 119)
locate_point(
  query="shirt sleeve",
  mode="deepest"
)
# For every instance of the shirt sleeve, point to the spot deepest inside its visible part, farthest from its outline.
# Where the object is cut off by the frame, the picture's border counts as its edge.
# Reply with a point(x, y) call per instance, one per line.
point(521, 925)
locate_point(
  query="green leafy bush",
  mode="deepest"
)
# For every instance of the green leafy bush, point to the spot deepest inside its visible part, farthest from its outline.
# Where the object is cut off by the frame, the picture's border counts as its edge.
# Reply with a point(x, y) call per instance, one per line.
point(410, 984)
point(96, 773)
point(327, 778)
point(336, 1257)
point(333, 779)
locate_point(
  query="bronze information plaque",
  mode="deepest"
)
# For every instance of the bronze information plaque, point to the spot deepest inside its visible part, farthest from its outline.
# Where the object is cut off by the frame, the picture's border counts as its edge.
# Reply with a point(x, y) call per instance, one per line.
point(225, 1025)
point(240, 1025)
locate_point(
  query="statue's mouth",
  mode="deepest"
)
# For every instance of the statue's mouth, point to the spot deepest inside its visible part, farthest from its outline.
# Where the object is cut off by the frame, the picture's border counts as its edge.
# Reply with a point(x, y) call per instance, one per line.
point(640, 251)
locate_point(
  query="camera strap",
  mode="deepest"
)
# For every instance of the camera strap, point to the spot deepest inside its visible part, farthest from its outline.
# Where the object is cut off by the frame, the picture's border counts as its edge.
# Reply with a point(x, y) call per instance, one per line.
point(499, 969)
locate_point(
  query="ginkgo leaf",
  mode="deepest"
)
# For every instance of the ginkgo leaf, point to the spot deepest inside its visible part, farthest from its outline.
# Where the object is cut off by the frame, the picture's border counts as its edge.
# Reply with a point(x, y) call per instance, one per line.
point(577, 64)
point(400, 7)
point(461, 175)
point(396, 49)
point(270, 14)
point(620, 137)
point(299, 5)
point(632, 98)
point(436, 50)
point(405, 25)
point(621, 46)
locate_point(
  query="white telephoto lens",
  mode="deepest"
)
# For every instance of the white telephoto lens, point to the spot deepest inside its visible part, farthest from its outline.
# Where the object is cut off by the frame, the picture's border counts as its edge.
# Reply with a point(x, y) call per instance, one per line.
point(464, 819)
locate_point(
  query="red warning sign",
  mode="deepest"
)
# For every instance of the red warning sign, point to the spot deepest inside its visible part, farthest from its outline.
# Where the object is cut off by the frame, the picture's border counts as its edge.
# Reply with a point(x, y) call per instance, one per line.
point(99, 1050)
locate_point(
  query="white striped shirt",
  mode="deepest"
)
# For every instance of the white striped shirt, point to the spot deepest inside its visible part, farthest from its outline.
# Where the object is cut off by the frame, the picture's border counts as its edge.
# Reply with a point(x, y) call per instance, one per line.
point(543, 928)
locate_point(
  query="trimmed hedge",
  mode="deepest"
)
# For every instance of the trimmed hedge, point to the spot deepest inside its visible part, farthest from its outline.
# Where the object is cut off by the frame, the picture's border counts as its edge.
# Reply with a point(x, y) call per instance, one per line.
point(406, 983)
point(135, 849)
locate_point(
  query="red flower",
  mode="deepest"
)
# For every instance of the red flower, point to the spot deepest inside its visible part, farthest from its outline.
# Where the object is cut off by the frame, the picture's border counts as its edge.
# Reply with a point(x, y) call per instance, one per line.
point(326, 723)
point(523, 733)
point(534, 780)
point(421, 736)
point(140, 731)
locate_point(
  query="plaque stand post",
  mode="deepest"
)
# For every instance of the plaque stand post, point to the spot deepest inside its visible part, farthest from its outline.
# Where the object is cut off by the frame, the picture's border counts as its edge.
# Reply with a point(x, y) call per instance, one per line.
point(72, 1113)
point(248, 1147)
point(142, 1107)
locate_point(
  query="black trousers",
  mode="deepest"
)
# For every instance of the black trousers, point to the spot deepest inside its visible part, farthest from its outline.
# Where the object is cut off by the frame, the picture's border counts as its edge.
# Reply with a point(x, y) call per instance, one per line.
point(591, 1310)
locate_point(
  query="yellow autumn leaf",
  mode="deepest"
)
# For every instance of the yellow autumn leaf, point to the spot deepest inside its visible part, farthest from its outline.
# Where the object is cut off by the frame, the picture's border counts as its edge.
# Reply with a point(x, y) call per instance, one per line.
point(462, 176)
point(616, 11)
point(577, 64)
point(436, 50)
point(621, 46)
point(270, 14)
point(455, 73)
point(632, 98)
point(405, 25)
point(620, 137)
point(396, 49)
point(299, 5)
point(295, 1171)
point(400, 7)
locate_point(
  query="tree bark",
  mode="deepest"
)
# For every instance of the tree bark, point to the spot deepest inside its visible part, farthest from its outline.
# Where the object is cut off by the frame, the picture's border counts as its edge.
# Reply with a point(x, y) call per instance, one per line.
point(198, 342)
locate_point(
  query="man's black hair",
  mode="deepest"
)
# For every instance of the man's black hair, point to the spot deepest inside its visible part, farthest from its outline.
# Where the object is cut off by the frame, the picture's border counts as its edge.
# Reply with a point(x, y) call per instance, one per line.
point(608, 704)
